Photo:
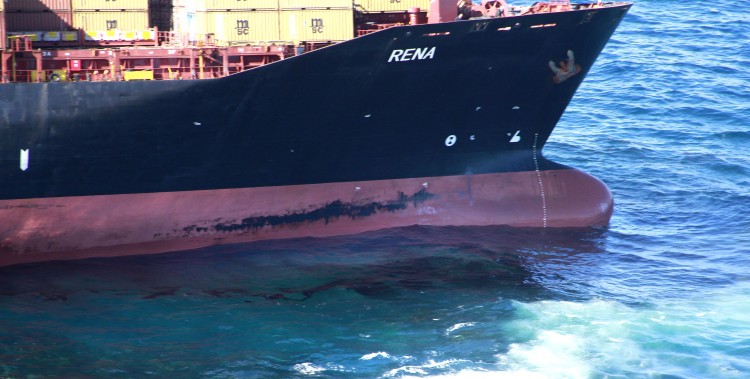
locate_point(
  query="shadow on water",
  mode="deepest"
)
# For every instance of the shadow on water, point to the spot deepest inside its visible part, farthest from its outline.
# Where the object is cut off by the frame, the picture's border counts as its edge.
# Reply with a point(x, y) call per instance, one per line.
point(263, 306)
point(381, 264)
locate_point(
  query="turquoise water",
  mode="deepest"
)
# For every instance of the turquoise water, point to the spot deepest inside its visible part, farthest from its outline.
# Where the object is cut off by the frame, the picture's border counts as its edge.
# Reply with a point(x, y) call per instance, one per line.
point(663, 118)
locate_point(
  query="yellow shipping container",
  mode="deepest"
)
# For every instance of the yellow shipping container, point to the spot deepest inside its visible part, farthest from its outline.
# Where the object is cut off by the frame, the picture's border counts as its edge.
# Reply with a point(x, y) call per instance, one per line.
point(100, 21)
point(393, 5)
point(234, 28)
point(233, 5)
point(317, 25)
point(129, 5)
point(315, 4)
point(138, 75)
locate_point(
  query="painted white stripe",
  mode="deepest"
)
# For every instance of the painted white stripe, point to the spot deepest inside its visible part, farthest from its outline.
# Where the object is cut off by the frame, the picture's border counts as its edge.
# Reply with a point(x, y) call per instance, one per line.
point(24, 159)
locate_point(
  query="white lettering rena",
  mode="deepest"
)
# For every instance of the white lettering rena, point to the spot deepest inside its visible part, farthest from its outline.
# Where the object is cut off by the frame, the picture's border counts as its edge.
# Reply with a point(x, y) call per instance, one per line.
point(408, 55)
point(395, 54)
point(411, 54)
point(429, 54)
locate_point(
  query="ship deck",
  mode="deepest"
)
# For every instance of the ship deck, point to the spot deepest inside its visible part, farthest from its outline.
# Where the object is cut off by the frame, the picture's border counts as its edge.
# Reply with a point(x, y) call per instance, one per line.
point(174, 56)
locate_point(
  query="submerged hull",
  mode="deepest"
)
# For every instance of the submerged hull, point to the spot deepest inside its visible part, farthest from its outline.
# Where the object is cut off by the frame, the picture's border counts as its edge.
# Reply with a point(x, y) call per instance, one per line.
point(430, 124)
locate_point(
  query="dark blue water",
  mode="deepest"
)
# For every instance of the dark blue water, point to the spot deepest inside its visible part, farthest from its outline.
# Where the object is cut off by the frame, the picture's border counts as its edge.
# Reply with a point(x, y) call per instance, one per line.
point(664, 292)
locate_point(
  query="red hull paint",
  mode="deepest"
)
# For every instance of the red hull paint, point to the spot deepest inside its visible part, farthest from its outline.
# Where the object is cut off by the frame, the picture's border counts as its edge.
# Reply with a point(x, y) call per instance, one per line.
point(118, 225)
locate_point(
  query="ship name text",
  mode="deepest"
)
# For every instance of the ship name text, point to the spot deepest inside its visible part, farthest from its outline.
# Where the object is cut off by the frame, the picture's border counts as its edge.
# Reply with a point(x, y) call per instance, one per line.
point(412, 54)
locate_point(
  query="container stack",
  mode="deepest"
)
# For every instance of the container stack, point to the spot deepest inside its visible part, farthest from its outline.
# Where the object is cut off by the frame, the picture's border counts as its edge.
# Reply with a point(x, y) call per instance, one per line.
point(40, 20)
point(112, 21)
point(240, 22)
point(197, 22)
point(79, 22)
point(392, 6)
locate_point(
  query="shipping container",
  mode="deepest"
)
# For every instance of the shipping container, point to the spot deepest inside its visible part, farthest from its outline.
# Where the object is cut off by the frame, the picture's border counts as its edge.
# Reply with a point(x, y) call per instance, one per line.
point(393, 5)
point(126, 5)
point(104, 21)
point(234, 28)
point(38, 21)
point(315, 4)
point(226, 5)
point(3, 39)
point(160, 17)
point(317, 25)
point(36, 5)
point(240, 5)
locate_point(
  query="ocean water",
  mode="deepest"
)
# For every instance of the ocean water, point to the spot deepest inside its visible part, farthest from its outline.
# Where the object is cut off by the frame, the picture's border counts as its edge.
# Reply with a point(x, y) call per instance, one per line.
point(664, 292)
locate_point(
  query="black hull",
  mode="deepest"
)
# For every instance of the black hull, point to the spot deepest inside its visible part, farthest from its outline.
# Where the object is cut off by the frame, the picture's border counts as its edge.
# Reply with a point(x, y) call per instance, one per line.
point(477, 97)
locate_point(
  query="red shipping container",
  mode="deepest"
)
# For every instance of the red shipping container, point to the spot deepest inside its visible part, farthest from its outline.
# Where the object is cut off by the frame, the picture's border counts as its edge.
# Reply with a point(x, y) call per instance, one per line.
point(38, 21)
point(36, 5)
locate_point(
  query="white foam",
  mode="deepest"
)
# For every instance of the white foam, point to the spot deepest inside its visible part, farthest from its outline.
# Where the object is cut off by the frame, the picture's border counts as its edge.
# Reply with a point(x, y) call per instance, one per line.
point(307, 368)
point(423, 368)
point(458, 326)
point(551, 355)
point(475, 374)
point(598, 338)
point(370, 356)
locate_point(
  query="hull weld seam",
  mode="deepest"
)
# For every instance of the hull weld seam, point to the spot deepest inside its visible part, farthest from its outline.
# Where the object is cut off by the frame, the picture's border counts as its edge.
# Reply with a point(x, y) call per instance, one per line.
point(539, 178)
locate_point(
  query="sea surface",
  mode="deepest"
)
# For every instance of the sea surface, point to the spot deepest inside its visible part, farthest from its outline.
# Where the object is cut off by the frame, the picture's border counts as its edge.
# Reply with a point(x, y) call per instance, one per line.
point(664, 292)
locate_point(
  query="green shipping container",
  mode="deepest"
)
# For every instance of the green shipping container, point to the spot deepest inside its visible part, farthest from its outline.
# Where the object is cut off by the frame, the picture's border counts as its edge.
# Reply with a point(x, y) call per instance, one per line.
point(315, 4)
point(127, 5)
point(317, 25)
point(234, 5)
point(103, 21)
point(237, 28)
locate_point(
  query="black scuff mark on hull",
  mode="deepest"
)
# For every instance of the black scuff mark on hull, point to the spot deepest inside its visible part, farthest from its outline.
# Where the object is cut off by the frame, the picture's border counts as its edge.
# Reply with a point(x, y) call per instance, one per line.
point(195, 228)
point(327, 213)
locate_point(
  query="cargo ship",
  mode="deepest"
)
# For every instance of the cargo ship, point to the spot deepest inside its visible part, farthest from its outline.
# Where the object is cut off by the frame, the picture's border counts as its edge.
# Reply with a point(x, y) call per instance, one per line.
point(419, 116)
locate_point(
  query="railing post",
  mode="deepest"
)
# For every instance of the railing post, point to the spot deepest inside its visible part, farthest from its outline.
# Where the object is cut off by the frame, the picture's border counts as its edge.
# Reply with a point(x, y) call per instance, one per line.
point(38, 58)
point(4, 56)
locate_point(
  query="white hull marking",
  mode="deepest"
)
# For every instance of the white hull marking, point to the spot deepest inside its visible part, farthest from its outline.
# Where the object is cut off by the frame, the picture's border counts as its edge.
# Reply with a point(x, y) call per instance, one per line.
point(24, 159)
